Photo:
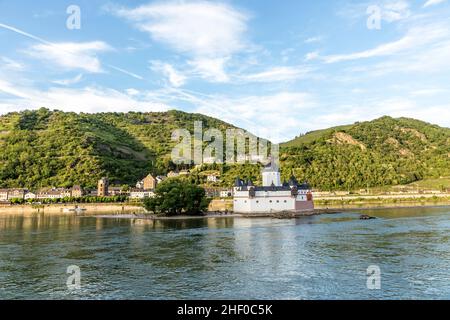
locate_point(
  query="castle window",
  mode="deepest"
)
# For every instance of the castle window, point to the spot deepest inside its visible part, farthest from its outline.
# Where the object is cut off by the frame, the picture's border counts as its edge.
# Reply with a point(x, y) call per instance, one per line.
point(285, 201)
point(270, 201)
point(278, 201)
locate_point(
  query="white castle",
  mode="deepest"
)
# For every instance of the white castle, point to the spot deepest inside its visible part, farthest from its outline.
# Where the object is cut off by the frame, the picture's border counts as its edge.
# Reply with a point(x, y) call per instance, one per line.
point(273, 196)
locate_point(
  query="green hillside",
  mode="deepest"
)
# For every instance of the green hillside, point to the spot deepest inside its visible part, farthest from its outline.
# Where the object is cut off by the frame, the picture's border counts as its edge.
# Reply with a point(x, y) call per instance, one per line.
point(53, 148)
point(384, 151)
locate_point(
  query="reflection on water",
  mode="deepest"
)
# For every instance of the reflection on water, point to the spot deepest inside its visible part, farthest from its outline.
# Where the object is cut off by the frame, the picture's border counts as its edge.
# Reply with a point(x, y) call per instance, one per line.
point(320, 257)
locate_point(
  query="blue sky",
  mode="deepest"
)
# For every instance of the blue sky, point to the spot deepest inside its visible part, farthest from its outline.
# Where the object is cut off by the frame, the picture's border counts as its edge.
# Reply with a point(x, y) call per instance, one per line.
point(276, 68)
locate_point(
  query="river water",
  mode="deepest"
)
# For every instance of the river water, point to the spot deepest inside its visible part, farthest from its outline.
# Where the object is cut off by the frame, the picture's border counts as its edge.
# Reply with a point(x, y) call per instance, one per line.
point(319, 257)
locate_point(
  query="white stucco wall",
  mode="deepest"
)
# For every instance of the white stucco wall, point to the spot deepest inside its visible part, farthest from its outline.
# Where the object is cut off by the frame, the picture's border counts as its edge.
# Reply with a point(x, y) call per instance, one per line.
point(271, 177)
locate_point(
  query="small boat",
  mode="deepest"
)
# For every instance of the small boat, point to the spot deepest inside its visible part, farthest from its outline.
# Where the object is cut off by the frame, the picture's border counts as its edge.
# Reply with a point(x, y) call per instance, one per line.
point(74, 210)
point(366, 217)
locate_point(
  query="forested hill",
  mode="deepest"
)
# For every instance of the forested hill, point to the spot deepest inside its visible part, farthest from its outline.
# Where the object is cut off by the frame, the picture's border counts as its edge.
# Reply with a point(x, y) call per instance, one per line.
point(53, 148)
point(385, 151)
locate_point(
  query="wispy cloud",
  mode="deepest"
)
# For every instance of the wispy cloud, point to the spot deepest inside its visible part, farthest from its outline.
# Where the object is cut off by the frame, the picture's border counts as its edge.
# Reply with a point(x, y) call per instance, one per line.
point(70, 81)
point(391, 10)
point(71, 55)
point(208, 33)
point(277, 74)
point(131, 74)
point(415, 37)
point(11, 64)
point(259, 114)
point(89, 99)
point(175, 78)
point(430, 3)
point(313, 39)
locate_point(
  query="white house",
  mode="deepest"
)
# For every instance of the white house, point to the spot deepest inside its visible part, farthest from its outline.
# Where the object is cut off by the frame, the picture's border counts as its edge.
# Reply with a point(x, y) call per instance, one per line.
point(30, 195)
point(141, 194)
point(273, 196)
point(226, 193)
point(212, 177)
point(3, 194)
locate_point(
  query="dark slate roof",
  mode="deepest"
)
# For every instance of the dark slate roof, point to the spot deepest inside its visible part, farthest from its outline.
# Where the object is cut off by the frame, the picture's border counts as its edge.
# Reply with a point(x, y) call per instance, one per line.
point(304, 186)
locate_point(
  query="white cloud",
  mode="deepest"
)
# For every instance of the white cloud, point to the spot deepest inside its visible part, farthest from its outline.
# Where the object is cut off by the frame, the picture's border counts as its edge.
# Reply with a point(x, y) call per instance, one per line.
point(87, 99)
point(11, 64)
point(175, 77)
point(132, 92)
point(12, 90)
point(210, 69)
point(313, 39)
point(209, 33)
point(391, 10)
point(430, 3)
point(415, 37)
point(70, 81)
point(201, 28)
point(276, 117)
point(277, 74)
point(311, 56)
point(395, 10)
point(71, 55)
point(428, 92)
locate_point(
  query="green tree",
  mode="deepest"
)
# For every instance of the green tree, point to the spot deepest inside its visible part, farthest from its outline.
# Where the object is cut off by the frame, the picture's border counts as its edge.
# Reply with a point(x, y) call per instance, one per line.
point(177, 196)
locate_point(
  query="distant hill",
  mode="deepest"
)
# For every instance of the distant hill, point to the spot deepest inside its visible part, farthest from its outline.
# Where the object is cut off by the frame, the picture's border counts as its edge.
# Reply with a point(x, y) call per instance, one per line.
point(53, 148)
point(385, 151)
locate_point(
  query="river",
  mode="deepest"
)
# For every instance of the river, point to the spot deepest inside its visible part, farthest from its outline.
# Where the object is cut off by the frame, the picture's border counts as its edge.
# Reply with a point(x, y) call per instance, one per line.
point(318, 257)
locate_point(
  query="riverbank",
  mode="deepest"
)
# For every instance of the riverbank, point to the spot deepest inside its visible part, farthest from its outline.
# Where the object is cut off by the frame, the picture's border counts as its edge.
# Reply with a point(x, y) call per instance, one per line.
point(134, 211)
point(91, 209)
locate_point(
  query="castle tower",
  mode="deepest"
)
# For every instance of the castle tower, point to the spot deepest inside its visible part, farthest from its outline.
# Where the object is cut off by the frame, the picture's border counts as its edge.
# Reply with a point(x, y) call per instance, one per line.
point(271, 175)
point(102, 187)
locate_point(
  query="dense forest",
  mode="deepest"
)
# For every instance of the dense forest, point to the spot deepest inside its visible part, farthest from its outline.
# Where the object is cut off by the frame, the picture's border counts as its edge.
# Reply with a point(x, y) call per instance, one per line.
point(53, 148)
point(385, 151)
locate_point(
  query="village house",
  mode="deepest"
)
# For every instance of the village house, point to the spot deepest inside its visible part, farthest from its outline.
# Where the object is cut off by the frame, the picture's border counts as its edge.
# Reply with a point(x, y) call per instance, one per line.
point(212, 177)
point(30, 196)
point(227, 193)
point(140, 184)
point(115, 191)
point(141, 193)
point(160, 179)
point(184, 172)
point(53, 193)
point(150, 182)
point(212, 192)
point(9, 194)
point(173, 174)
point(3, 194)
point(77, 191)
point(16, 193)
